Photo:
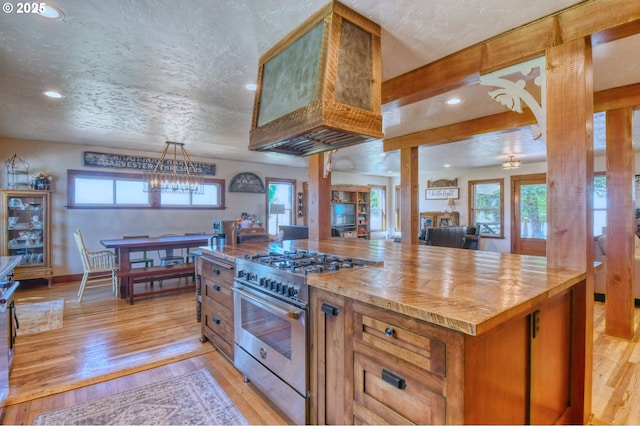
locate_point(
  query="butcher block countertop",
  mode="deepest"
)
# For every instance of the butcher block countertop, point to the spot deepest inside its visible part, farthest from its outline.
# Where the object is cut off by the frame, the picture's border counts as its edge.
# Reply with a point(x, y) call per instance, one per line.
point(464, 290)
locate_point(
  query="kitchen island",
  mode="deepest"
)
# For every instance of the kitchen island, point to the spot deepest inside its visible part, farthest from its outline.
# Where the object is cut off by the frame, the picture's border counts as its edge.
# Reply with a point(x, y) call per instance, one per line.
point(440, 335)
point(7, 323)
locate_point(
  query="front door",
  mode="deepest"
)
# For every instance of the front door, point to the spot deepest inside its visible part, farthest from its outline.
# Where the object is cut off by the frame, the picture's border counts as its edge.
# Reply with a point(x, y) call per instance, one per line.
point(529, 219)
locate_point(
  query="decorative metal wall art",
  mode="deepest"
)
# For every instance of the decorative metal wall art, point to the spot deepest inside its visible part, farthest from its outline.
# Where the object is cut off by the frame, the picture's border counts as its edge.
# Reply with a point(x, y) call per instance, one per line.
point(246, 182)
point(100, 159)
point(300, 204)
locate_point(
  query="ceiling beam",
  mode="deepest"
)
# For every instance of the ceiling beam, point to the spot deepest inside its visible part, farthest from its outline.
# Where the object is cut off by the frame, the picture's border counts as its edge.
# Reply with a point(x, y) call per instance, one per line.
point(461, 131)
point(605, 100)
point(617, 98)
point(607, 20)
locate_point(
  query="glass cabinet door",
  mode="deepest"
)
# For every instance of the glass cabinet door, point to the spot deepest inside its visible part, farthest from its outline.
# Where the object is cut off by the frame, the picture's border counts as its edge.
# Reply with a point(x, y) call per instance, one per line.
point(26, 233)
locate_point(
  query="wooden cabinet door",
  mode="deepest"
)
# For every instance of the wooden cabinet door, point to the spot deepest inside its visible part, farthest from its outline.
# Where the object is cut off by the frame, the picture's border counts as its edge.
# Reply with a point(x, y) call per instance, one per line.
point(526, 362)
point(332, 370)
point(550, 361)
point(496, 374)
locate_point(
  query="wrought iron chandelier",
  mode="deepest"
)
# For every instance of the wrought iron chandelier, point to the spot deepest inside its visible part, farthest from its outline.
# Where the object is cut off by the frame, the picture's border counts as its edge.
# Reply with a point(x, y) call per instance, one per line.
point(173, 176)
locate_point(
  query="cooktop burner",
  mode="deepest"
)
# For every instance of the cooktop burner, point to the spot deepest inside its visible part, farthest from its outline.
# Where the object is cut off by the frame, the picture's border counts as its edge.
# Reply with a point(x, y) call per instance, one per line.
point(306, 261)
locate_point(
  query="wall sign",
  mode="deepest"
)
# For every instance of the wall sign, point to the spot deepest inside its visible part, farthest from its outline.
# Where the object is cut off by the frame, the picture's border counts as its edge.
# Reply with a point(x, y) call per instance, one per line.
point(442, 193)
point(117, 161)
point(442, 183)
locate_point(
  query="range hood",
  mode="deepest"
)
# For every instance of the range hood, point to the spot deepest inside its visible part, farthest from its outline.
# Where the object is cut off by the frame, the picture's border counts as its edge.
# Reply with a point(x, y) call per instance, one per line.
point(319, 88)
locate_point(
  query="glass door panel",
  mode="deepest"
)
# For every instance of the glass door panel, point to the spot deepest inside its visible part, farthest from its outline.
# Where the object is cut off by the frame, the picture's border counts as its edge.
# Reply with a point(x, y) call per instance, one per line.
point(529, 233)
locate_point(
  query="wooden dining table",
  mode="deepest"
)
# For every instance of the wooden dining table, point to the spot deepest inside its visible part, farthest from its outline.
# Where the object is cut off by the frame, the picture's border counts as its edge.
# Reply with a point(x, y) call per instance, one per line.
point(125, 246)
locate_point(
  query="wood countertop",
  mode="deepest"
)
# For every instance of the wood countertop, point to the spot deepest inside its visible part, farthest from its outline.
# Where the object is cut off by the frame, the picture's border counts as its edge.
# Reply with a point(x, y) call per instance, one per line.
point(464, 290)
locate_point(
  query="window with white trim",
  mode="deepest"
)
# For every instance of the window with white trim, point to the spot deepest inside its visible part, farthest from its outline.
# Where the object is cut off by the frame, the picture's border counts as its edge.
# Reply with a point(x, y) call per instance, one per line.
point(90, 189)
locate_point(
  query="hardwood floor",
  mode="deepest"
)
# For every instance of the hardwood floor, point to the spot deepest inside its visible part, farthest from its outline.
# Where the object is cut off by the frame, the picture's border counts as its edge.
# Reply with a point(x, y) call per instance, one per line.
point(107, 346)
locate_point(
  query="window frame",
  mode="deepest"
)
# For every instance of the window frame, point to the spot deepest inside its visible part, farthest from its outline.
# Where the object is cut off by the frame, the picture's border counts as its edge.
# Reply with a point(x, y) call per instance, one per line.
point(153, 197)
point(472, 208)
point(273, 180)
point(605, 209)
point(382, 208)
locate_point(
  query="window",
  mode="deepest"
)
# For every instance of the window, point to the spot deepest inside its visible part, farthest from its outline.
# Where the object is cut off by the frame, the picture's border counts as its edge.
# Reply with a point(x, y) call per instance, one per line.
point(377, 220)
point(599, 203)
point(88, 189)
point(280, 198)
point(486, 207)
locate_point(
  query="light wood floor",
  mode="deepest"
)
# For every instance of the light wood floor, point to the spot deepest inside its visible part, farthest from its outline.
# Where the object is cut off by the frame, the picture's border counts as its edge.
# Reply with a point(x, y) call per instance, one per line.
point(107, 346)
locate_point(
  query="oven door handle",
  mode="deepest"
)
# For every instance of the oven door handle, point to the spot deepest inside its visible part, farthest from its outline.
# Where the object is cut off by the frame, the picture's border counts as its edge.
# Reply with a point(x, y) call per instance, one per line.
point(269, 306)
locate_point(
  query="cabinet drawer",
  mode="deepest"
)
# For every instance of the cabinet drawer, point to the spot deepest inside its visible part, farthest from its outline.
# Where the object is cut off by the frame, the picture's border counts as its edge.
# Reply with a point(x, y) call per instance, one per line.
point(219, 271)
point(406, 338)
point(218, 292)
point(390, 391)
point(217, 326)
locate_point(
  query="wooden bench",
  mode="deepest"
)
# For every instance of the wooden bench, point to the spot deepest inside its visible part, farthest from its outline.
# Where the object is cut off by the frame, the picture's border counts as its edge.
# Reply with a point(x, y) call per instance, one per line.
point(137, 275)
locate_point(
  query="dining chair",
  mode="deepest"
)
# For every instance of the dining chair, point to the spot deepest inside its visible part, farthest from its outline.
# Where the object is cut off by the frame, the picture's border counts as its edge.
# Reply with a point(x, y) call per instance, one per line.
point(191, 258)
point(169, 257)
point(140, 260)
point(100, 267)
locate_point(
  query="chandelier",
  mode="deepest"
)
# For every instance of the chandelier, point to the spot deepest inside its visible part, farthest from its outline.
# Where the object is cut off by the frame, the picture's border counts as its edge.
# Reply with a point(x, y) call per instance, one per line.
point(511, 163)
point(174, 176)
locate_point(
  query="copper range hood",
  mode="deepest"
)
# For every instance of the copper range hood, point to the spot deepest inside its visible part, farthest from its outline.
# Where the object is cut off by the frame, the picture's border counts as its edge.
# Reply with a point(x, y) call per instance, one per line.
point(319, 88)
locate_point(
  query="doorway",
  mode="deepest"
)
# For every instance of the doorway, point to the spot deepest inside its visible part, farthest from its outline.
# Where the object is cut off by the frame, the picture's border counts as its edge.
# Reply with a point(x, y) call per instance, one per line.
point(279, 203)
point(529, 218)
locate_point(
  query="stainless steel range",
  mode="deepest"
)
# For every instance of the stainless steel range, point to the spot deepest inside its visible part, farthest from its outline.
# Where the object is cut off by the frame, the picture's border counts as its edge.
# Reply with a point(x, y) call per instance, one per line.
point(271, 305)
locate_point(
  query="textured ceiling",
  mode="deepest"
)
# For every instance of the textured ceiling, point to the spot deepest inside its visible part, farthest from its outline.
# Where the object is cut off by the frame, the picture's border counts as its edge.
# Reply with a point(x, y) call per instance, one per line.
point(137, 73)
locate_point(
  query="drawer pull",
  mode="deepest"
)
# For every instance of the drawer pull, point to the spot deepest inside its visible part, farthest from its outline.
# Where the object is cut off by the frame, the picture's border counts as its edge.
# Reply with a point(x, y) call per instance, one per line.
point(216, 320)
point(396, 381)
point(216, 287)
point(216, 271)
point(329, 310)
point(389, 331)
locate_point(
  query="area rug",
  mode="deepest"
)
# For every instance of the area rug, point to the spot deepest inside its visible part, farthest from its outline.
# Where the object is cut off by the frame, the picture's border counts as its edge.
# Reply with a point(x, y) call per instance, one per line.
point(39, 317)
point(192, 399)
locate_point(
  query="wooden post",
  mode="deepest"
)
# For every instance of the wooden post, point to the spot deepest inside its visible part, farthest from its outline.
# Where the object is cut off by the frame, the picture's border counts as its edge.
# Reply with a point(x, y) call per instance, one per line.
point(620, 224)
point(409, 206)
point(319, 201)
point(569, 134)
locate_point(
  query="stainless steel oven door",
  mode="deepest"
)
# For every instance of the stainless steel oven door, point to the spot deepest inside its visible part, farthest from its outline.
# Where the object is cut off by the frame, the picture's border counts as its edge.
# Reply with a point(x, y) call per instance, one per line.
point(274, 333)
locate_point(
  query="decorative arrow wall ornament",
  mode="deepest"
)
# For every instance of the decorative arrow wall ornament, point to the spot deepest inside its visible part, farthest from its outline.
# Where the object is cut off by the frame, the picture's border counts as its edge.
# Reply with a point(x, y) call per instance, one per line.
point(512, 92)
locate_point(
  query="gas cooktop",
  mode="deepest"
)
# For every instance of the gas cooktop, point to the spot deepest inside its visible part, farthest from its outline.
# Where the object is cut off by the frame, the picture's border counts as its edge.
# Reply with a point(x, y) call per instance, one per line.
point(307, 261)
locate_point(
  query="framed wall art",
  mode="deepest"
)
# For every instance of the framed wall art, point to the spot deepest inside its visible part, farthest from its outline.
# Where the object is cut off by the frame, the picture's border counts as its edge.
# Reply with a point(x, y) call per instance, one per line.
point(442, 193)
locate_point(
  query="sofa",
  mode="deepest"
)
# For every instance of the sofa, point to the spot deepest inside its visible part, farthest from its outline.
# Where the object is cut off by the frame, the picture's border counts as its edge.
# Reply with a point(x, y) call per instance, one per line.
point(447, 236)
point(600, 285)
point(294, 232)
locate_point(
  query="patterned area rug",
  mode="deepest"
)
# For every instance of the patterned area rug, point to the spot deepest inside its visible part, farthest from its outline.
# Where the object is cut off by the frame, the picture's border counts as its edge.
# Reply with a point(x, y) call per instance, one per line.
point(192, 399)
point(39, 317)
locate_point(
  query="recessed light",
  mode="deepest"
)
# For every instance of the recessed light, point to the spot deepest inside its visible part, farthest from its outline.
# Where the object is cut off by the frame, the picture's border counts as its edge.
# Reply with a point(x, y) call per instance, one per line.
point(53, 94)
point(447, 165)
point(454, 101)
point(50, 11)
point(250, 86)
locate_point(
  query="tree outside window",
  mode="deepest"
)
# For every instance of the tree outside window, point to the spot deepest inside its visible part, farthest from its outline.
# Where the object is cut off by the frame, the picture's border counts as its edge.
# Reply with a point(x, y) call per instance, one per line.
point(486, 207)
point(377, 201)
